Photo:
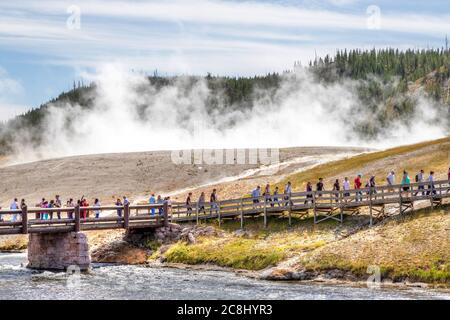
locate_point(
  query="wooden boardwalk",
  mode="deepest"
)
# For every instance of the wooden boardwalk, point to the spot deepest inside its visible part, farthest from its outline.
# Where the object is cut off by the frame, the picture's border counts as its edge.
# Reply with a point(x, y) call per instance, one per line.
point(325, 205)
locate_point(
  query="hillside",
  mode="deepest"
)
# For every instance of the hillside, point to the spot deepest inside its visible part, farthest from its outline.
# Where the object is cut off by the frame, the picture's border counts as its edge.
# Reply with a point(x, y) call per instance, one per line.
point(108, 176)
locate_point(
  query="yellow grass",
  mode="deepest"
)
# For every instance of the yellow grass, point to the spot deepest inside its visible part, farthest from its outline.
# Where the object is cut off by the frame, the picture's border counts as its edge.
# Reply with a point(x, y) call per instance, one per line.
point(430, 155)
point(416, 247)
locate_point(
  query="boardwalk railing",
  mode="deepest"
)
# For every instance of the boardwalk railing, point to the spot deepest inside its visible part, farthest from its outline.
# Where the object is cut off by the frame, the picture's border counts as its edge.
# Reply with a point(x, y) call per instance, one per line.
point(324, 204)
point(131, 217)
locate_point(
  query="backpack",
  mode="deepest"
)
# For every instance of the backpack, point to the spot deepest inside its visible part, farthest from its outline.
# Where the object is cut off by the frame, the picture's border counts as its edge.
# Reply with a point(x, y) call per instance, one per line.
point(417, 177)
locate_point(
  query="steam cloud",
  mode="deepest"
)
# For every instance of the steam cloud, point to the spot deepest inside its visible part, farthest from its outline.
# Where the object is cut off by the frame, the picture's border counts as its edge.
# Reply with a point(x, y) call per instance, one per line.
point(302, 112)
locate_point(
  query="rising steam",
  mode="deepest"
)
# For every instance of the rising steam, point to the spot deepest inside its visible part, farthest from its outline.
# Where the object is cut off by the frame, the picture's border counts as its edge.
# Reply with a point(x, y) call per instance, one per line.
point(301, 113)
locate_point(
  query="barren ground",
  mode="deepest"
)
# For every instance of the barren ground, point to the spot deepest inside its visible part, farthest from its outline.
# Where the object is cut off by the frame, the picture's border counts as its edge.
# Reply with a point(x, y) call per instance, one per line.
point(136, 175)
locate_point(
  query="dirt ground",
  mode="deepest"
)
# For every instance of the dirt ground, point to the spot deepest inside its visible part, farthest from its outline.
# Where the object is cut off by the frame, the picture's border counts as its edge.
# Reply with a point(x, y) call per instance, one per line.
point(108, 176)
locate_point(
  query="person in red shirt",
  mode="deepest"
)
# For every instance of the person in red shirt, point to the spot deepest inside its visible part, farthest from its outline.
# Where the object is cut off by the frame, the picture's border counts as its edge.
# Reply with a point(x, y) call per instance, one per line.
point(358, 184)
point(448, 178)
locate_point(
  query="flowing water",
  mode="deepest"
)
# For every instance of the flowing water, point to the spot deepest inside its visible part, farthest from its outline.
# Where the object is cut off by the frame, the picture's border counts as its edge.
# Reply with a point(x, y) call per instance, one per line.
point(138, 282)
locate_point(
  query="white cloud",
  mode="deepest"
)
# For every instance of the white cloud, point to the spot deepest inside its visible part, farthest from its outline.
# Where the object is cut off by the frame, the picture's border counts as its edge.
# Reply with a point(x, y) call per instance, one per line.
point(8, 86)
point(9, 90)
point(9, 111)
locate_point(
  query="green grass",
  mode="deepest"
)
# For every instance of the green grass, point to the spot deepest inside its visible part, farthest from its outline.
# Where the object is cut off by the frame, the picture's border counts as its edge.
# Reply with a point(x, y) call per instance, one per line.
point(236, 253)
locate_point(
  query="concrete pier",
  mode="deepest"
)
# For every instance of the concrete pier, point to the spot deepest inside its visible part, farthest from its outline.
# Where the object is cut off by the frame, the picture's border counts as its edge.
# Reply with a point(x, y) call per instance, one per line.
point(58, 251)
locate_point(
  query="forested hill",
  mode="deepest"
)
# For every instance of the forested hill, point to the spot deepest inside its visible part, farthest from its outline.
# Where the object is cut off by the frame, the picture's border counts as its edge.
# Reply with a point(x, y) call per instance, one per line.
point(386, 77)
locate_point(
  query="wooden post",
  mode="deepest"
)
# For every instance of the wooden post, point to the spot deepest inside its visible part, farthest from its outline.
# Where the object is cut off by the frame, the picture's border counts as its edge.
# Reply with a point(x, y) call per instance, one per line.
point(218, 212)
point(24, 219)
point(166, 213)
point(126, 215)
point(77, 218)
point(242, 214)
point(314, 206)
point(370, 206)
point(265, 213)
point(196, 213)
point(290, 218)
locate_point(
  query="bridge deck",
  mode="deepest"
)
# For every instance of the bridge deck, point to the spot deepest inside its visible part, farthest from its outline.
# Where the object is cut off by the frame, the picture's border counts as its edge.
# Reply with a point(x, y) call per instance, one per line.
point(325, 205)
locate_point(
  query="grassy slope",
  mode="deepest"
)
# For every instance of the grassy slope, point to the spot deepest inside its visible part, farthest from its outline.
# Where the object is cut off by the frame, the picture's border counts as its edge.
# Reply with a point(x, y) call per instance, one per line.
point(430, 155)
point(417, 248)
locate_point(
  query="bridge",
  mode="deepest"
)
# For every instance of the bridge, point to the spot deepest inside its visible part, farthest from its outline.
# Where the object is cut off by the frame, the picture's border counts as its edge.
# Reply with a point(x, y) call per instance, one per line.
point(61, 243)
point(324, 205)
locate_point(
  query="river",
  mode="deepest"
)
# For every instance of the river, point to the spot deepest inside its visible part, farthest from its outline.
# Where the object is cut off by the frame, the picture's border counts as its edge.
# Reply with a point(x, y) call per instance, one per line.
point(139, 282)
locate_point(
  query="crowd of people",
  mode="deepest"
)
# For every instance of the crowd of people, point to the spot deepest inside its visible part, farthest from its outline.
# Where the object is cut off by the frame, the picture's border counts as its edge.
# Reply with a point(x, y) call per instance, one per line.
point(426, 187)
point(83, 204)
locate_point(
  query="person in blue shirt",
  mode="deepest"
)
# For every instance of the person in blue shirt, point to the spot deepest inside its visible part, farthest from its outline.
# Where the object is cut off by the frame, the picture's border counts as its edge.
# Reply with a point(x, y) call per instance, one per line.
point(152, 200)
point(256, 194)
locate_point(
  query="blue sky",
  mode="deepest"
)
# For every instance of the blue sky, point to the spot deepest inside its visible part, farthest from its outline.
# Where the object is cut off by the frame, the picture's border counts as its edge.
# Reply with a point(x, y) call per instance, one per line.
point(45, 45)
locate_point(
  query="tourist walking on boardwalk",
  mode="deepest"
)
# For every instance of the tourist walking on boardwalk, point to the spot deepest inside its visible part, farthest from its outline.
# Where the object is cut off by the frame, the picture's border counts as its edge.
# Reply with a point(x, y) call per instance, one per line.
point(44, 214)
point(159, 200)
point(152, 201)
point(357, 184)
point(70, 204)
point(372, 186)
point(58, 204)
point(419, 179)
point(448, 178)
point(119, 205)
point(406, 182)
point(256, 193)
point(201, 203)
point(14, 206)
point(346, 187)
point(275, 197)
point(287, 193)
point(320, 187)
point(431, 189)
point(391, 181)
point(189, 204)
point(309, 195)
point(84, 213)
point(266, 194)
point(213, 200)
point(97, 206)
point(51, 205)
point(40, 205)
point(336, 189)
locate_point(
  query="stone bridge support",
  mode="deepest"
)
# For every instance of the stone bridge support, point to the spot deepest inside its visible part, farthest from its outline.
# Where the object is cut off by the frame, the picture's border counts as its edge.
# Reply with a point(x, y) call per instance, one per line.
point(58, 251)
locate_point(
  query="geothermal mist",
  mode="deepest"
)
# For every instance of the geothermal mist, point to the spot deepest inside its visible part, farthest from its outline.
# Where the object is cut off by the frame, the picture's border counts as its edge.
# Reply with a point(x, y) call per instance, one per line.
point(302, 113)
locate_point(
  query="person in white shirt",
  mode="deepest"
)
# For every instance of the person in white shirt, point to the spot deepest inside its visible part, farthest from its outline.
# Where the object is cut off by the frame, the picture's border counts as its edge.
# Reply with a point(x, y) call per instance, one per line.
point(287, 193)
point(97, 206)
point(346, 186)
point(431, 189)
point(14, 206)
point(391, 180)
